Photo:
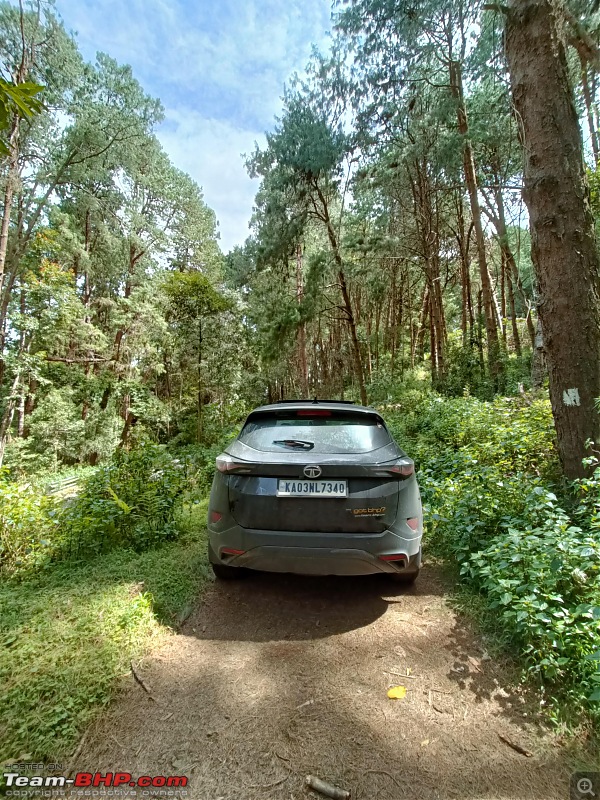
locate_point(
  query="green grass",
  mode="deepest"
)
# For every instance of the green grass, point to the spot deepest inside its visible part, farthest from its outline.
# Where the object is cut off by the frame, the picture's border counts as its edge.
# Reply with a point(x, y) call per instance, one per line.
point(67, 636)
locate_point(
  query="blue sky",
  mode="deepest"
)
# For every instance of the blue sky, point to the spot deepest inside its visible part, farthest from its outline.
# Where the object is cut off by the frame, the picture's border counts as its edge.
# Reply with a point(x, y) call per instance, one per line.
point(219, 69)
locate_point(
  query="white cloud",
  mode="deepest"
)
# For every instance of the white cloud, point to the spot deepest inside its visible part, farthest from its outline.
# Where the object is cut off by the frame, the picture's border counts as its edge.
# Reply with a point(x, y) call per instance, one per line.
point(218, 68)
point(210, 152)
point(232, 55)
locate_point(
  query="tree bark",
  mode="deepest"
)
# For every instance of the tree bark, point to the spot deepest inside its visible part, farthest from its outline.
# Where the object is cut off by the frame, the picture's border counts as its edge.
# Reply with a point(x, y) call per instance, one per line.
point(8, 416)
point(462, 237)
point(12, 177)
point(563, 245)
point(513, 315)
point(427, 227)
point(538, 361)
point(358, 366)
point(302, 326)
point(587, 97)
point(498, 220)
point(489, 304)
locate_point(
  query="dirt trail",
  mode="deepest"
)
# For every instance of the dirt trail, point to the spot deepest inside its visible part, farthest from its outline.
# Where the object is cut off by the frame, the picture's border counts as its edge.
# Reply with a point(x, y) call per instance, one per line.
point(280, 676)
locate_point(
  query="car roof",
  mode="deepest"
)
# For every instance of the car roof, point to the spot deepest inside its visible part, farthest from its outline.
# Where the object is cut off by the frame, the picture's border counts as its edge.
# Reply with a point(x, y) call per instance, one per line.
point(328, 405)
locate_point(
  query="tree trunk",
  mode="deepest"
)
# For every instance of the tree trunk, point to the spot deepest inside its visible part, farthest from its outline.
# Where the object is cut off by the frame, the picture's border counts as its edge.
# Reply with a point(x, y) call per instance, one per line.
point(8, 416)
point(130, 420)
point(513, 315)
point(499, 222)
point(563, 246)
point(354, 338)
point(463, 237)
point(302, 326)
point(587, 97)
point(427, 227)
point(12, 177)
point(489, 304)
point(538, 361)
point(503, 295)
point(358, 366)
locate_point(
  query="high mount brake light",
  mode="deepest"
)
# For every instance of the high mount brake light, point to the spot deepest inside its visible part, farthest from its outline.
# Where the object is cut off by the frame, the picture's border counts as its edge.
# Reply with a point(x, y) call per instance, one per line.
point(311, 413)
point(405, 467)
point(225, 463)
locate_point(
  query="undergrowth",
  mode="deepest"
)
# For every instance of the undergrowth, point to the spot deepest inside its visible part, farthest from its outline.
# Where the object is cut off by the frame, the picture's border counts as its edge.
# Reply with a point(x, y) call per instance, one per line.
point(67, 635)
point(525, 542)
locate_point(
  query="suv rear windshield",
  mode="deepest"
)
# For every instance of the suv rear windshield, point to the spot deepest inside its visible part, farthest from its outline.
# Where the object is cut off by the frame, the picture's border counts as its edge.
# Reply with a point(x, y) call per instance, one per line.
point(319, 431)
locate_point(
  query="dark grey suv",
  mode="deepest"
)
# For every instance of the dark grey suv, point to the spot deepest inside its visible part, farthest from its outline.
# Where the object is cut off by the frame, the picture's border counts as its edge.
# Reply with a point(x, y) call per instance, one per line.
point(317, 488)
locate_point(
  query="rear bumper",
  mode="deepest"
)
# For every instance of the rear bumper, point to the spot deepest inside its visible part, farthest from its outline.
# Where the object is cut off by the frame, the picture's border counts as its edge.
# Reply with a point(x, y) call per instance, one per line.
point(308, 553)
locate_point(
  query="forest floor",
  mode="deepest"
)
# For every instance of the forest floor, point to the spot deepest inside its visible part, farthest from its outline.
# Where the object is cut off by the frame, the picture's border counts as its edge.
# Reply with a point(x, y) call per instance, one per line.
point(277, 677)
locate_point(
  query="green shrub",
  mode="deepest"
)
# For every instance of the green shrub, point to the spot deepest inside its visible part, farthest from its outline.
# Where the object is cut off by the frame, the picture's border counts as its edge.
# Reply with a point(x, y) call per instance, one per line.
point(543, 584)
point(128, 503)
point(489, 479)
point(511, 434)
point(200, 461)
point(29, 522)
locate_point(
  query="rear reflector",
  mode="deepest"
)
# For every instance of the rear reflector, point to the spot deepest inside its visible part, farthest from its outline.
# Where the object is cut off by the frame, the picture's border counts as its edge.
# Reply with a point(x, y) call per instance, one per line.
point(394, 557)
point(229, 551)
point(413, 523)
point(215, 516)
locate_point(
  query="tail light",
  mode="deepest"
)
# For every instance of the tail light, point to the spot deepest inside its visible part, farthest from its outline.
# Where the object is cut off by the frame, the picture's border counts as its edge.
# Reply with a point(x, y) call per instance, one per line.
point(404, 467)
point(225, 463)
point(216, 516)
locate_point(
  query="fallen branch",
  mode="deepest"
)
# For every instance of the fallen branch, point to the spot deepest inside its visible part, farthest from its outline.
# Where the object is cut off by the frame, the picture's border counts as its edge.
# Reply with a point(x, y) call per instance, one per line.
point(75, 755)
point(400, 674)
point(326, 788)
point(267, 785)
point(137, 679)
point(516, 747)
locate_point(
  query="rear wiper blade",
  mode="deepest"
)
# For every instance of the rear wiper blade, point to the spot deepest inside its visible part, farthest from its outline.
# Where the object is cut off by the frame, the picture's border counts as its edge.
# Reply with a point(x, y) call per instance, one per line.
point(299, 443)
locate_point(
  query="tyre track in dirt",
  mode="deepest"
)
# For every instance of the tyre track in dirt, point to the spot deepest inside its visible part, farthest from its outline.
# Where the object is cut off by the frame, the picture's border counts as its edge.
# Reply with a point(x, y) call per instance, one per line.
point(279, 676)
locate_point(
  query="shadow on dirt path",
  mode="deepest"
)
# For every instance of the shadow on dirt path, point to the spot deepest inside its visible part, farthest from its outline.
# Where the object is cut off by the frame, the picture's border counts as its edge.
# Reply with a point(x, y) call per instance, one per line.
point(280, 676)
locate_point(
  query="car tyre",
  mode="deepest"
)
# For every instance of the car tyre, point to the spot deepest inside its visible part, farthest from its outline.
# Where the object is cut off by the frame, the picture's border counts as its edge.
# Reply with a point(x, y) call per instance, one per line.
point(408, 578)
point(405, 578)
point(226, 573)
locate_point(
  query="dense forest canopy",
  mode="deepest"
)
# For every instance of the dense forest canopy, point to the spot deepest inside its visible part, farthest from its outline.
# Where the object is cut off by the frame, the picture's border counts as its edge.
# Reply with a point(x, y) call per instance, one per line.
point(390, 232)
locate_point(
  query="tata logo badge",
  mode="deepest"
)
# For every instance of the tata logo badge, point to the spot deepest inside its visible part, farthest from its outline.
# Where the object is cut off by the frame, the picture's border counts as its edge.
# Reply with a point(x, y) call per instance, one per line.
point(312, 472)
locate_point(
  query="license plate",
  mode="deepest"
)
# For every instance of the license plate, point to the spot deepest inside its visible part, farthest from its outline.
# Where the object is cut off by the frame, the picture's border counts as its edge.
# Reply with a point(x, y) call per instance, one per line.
point(303, 488)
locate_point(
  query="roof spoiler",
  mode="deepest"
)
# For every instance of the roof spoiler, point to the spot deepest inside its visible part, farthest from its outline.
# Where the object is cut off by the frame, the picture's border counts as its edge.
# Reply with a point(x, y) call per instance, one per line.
point(314, 401)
